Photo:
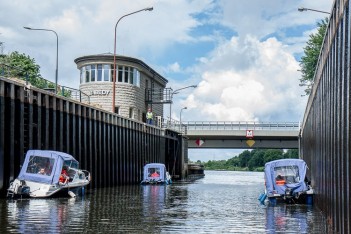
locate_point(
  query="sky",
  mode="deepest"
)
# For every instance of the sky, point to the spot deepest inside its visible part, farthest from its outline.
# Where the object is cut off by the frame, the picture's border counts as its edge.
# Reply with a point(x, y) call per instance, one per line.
point(242, 55)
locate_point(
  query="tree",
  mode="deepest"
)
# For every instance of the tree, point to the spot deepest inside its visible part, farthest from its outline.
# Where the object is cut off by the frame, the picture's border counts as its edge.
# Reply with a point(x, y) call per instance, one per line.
point(20, 65)
point(272, 154)
point(23, 67)
point(309, 61)
point(244, 158)
point(233, 162)
point(257, 159)
point(291, 153)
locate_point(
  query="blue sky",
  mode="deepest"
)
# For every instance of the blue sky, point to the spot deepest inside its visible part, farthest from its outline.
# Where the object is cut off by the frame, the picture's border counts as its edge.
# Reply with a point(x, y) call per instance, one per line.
point(243, 55)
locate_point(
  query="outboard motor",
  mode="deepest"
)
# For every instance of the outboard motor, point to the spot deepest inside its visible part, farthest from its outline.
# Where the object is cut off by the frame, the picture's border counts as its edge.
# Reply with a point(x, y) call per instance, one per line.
point(288, 192)
point(22, 189)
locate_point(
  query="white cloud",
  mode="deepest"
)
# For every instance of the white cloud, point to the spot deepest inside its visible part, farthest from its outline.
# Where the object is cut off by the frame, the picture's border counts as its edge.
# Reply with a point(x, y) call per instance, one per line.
point(175, 67)
point(248, 80)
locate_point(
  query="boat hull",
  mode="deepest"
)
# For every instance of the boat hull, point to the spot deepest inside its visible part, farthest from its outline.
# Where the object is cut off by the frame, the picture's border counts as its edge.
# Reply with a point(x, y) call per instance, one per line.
point(23, 188)
point(156, 182)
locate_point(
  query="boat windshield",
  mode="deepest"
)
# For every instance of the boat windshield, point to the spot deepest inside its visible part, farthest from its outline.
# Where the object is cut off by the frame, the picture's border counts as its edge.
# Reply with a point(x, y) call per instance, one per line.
point(153, 172)
point(289, 174)
point(40, 165)
point(71, 164)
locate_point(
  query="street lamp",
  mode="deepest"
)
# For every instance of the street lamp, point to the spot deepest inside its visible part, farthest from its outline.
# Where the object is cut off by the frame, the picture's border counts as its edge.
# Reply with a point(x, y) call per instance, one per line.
point(308, 9)
point(49, 30)
point(114, 56)
point(180, 115)
point(175, 92)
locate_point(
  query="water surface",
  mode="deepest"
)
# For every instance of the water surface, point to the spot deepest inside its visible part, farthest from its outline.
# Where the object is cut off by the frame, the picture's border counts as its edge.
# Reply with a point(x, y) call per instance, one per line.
point(222, 202)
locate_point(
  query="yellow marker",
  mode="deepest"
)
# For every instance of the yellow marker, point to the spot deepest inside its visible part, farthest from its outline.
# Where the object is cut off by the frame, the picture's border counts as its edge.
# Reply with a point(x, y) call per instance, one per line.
point(250, 143)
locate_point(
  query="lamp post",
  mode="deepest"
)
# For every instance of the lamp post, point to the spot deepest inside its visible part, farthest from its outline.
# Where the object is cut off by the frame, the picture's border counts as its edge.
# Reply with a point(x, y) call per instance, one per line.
point(175, 92)
point(308, 9)
point(180, 118)
point(180, 115)
point(49, 30)
point(114, 55)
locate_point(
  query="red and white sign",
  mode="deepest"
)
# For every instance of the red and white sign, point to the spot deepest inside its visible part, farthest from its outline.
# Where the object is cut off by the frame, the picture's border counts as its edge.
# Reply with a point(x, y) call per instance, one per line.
point(199, 142)
point(249, 133)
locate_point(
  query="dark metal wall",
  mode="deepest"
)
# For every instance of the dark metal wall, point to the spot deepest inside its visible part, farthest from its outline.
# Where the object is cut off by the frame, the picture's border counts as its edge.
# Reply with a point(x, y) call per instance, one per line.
point(325, 136)
point(112, 148)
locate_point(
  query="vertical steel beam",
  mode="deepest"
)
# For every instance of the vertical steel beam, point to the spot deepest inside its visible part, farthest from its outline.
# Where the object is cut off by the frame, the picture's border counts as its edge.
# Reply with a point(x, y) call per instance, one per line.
point(2, 133)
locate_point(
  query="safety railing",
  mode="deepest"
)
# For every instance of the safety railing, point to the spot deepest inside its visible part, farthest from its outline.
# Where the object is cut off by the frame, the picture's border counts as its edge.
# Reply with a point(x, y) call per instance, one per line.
point(75, 94)
point(170, 124)
point(241, 125)
point(12, 72)
point(184, 127)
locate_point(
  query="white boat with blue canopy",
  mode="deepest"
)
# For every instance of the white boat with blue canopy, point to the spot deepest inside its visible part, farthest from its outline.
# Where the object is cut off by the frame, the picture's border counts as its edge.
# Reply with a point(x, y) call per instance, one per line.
point(286, 179)
point(46, 173)
point(156, 173)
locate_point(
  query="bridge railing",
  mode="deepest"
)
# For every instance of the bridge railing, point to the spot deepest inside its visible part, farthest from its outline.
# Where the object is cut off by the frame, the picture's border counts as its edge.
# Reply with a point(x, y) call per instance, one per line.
point(171, 124)
point(224, 125)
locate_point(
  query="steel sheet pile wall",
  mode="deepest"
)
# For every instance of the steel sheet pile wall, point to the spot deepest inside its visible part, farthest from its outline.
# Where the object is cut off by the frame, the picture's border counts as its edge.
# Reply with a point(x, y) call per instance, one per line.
point(112, 148)
point(325, 138)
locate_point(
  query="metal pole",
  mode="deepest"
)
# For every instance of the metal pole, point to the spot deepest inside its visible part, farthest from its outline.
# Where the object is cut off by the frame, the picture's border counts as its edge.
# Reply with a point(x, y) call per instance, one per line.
point(170, 108)
point(308, 9)
point(50, 30)
point(175, 92)
point(180, 115)
point(114, 56)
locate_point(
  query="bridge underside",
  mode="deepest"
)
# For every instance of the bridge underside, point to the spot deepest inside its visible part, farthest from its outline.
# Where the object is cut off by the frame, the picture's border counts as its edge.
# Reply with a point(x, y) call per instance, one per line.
point(241, 142)
point(237, 139)
point(245, 144)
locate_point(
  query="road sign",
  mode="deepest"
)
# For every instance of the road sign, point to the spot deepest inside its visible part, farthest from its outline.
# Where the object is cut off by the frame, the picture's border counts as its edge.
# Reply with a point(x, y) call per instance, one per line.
point(249, 133)
point(199, 142)
point(250, 142)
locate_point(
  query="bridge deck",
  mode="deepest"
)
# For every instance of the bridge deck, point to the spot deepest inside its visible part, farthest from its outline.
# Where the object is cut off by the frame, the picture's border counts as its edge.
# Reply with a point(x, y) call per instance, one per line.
point(237, 134)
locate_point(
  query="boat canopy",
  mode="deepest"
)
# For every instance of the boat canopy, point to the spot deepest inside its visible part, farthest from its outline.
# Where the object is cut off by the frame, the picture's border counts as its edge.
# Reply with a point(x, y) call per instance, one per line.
point(155, 171)
point(44, 166)
point(285, 173)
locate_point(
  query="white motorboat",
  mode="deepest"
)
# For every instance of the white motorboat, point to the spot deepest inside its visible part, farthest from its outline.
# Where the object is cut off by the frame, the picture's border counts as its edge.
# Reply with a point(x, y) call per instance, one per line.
point(286, 180)
point(46, 173)
point(156, 173)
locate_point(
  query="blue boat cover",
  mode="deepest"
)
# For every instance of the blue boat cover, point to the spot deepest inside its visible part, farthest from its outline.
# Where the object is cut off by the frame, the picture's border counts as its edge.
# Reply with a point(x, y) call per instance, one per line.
point(151, 168)
point(285, 173)
point(44, 166)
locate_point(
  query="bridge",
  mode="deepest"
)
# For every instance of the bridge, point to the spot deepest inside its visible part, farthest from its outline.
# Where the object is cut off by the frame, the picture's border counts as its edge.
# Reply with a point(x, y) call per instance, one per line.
point(242, 135)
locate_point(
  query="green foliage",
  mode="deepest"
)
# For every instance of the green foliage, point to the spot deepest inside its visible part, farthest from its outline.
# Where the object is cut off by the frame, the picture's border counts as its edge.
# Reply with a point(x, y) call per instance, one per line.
point(250, 160)
point(23, 67)
point(309, 61)
point(244, 158)
point(272, 154)
point(256, 159)
point(293, 153)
